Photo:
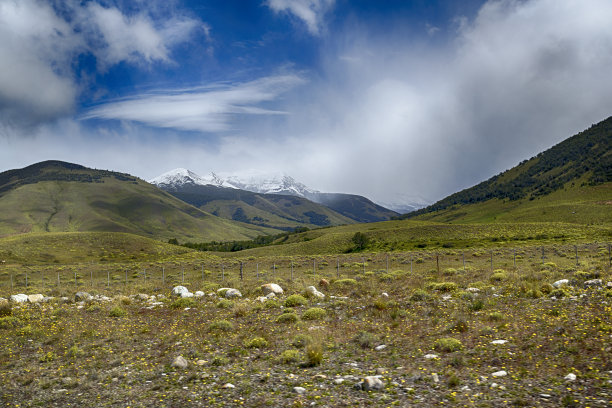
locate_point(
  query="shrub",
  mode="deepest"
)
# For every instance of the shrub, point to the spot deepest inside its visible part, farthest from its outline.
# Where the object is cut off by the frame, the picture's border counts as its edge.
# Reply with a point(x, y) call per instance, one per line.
point(256, 342)
point(499, 275)
point(448, 344)
point(8, 322)
point(124, 300)
point(314, 313)
point(271, 304)
point(587, 275)
point(449, 272)
point(476, 305)
point(496, 316)
point(314, 354)
point(219, 361)
point(240, 310)
point(295, 300)
point(289, 356)
point(6, 309)
point(366, 339)
point(287, 318)
point(559, 293)
point(380, 304)
point(221, 325)
point(117, 311)
point(443, 286)
point(224, 304)
point(420, 295)
point(546, 288)
point(460, 326)
point(301, 341)
point(345, 282)
point(182, 303)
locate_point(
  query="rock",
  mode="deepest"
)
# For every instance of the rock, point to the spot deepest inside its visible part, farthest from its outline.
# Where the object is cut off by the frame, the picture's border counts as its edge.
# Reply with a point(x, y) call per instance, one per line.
point(381, 347)
point(37, 298)
point(593, 283)
point(19, 298)
point(338, 381)
point(186, 294)
point(323, 283)
point(179, 290)
point(314, 292)
point(609, 285)
point(82, 297)
point(262, 299)
point(232, 293)
point(430, 356)
point(142, 296)
point(299, 390)
point(570, 377)
point(372, 383)
point(473, 290)
point(180, 362)
point(500, 373)
point(435, 378)
point(271, 288)
point(228, 386)
point(384, 294)
point(560, 283)
point(270, 295)
point(199, 293)
point(499, 341)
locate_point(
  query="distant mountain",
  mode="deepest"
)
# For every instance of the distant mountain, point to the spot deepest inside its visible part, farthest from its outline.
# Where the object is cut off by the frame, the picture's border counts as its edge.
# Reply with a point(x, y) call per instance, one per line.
point(572, 181)
point(352, 208)
point(55, 196)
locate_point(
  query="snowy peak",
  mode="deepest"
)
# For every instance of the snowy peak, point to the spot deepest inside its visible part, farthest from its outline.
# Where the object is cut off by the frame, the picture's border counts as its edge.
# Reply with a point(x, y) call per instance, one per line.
point(272, 184)
point(176, 178)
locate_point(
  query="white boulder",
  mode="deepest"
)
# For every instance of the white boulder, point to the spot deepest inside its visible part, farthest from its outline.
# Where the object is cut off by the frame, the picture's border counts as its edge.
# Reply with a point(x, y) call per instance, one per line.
point(37, 298)
point(179, 290)
point(560, 283)
point(314, 292)
point(232, 293)
point(271, 288)
point(19, 298)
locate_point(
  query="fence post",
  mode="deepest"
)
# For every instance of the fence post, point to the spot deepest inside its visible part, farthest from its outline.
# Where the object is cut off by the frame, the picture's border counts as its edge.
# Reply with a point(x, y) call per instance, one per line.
point(91, 277)
point(26, 278)
point(145, 275)
point(273, 270)
point(76, 283)
point(363, 263)
point(257, 270)
point(491, 261)
point(338, 268)
point(183, 275)
point(107, 278)
point(292, 271)
point(514, 255)
point(542, 254)
point(438, 263)
point(241, 271)
point(222, 273)
point(576, 249)
point(463, 257)
point(163, 275)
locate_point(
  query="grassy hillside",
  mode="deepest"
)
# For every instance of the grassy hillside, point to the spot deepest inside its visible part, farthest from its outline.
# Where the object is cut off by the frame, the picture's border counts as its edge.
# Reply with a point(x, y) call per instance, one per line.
point(555, 179)
point(355, 207)
point(267, 210)
point(57, 196)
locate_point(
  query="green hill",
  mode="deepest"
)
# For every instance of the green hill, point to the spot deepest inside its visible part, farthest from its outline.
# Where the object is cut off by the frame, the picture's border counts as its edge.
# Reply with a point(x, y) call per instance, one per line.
point(283, 212)
point(570, 182)
point(55, 196)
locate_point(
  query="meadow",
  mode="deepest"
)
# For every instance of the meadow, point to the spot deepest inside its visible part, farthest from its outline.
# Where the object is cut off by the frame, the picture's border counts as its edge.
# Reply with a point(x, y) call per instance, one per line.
point(471, 325)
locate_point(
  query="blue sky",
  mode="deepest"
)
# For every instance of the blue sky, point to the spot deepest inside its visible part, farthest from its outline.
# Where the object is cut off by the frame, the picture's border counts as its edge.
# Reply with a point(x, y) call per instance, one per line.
point(395, 100)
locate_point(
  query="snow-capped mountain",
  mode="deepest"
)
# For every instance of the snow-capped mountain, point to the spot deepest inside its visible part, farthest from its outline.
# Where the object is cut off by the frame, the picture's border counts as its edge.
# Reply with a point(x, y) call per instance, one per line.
point(404, 204)
point(272, 184)
point(176, 178)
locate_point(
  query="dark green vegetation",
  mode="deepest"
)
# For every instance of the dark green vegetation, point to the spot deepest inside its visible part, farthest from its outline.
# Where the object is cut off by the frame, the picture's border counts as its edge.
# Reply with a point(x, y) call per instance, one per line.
point(355, 207)
point(559, 180)
point(60, 197)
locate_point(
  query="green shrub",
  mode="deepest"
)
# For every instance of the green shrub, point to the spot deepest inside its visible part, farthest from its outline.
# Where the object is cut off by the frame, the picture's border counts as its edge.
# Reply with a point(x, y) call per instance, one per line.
point(587, 275)
point(256, 342)
point(314, 354)
point(460, 326)
point(546, 288)
point(345, 282)
point(8, 322)
point(449, 272)
point(289, 356)
point(287, 318)
point(219, 361)
point(295, 300)
point(117, 311)
point(496, 316)
point(559, 293)
point(314, 313)
point(301, 341)
point(476, 305)
point(380, 304)
point(366, 339)
point(271, 304)
point(420, 295)
point(221, 325)
point(448, 344)
point(6, 309)
point(182, 303)
point(443, 286)
point(499, 275)
point(225, 304)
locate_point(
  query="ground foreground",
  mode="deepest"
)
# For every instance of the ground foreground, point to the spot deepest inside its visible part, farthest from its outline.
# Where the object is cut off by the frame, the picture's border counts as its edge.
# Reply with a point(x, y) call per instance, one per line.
point(466, 336)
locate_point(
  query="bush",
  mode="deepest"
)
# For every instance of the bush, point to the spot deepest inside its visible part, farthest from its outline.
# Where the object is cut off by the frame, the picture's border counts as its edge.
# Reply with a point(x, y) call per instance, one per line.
point(448, 344)
point(224, 304)
point(420, 295)
point(314, 313)
point(366, 339)
point(221, 325)
point(287, 318)
point(117, 311)
point(8, 322)
point(587, 275)
point(476, 305)
point(443, 286)
point(361, 241)
point(460, 326)
point(271, 304)
point(314, 354)
point(301, 341)
point(499, 275)
point(182, 303)
point(256, 342)
point(449, 272)
point(345, 282)
point(6, 309)
point(559, 293)
point(380, 304)
point(496, 316)
point(295, 300)
point(289, 356)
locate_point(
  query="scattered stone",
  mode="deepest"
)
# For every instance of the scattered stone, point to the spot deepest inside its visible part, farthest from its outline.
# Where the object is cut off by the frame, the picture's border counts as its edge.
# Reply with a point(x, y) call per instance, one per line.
point(200, 362)
point(37, 298)
point(593, 283)
point(500, 373)
point(561, 282)
point(270, 295)
point(82, 297)
point(320, 377)
point(299, 390)
point(142, 296)
point(64, 299)
point(381, 347)
point(570, 377)
point(384, 294)
point(430, 356)
point(232, 293)
point(435, 378)
point(499, 341)
point(314, 292)
point(447, 297)
point(494, 385)
point(180, 362)
point(323, 283)
point(271, 288)
point(372, 383)
point(473, 290)
point(545, 396)
point(199, 293)
point(228, 386)
point(179, 290)
point(338, 381)
point(19, 298)
point(262, 299)
point(465, 388)
point(609, 285)
point(186, 294)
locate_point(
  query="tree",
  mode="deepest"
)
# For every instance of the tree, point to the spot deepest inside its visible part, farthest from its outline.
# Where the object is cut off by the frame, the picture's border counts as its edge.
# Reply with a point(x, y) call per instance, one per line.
point(361, 241)
point(173, 241)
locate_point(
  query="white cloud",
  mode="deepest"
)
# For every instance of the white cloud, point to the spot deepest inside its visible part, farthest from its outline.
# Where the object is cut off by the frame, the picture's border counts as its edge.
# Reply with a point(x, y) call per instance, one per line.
point(39, 46)
point(311, 12)
point(209, 109)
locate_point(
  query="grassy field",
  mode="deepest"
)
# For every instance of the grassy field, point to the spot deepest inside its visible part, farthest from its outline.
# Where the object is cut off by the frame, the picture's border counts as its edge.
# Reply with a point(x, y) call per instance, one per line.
point(449, 302)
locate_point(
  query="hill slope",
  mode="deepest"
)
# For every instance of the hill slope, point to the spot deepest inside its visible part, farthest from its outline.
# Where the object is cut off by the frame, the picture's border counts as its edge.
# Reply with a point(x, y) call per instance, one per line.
point(55, 196)
point(568, 182)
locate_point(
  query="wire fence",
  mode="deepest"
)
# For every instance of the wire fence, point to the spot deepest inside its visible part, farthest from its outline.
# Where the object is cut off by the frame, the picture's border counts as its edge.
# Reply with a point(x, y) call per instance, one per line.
point(160, 276)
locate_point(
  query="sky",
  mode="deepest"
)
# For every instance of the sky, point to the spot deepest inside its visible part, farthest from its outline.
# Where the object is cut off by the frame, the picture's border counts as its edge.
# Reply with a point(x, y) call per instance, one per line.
point(406, 100)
